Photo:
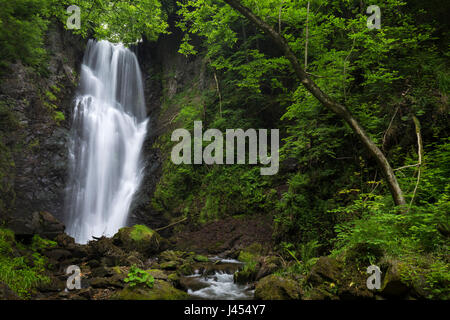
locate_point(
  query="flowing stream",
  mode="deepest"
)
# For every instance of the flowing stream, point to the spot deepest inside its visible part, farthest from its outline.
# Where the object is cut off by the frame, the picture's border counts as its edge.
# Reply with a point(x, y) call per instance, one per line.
point(108, 130)
point(217, 283)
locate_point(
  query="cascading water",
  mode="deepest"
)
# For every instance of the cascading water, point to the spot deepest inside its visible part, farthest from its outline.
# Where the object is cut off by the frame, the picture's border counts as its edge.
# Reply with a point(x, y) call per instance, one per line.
point(108, 130)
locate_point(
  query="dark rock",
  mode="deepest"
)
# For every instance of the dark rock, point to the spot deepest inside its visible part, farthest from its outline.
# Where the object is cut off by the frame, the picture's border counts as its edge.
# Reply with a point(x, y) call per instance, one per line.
point(157, 274)
point(54, 285)
point(244, 276)
point(393, 286)
point(268, 266)
point(325, 269)
point(104, 251)
point(42, 223)
point(192, 283)
point(169, 265)
point(109, 282)
point(58, 254)
point(101, 272)
point(6, 293)
point(64, 240)
point(133, 259)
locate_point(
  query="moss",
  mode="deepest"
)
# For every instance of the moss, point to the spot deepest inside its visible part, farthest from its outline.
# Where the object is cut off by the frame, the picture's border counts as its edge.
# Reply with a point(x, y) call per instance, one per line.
point(39, 243)
point(50, 96)
point(157, 274)
point(117, 270)
point(200, 258)
point(169, 265)
point(139, 238)
point(140, 232)
point(186, 269)
point(162, 290)
point(277, 288)
point(175, 278)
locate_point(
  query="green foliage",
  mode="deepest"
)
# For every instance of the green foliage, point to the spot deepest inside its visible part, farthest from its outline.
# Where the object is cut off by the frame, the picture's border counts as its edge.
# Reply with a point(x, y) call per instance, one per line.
point(22, 273)
point(22, 26)
point(307, 254)
point(117, 21)
point(39, 243)
point(138, 276)
point(431, 273)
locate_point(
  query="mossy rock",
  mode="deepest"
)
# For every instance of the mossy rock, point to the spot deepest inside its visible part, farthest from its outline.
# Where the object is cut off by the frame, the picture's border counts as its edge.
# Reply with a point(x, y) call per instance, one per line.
point(162, 290)
point(169, 265)
point(200, 258)
point(157, 274)
point(275, 287)
point(139, 238)
point(171, 255)
point(244, 276)
point(326, 269)
point(186, 269)
point(174, 278)
point(392, 285)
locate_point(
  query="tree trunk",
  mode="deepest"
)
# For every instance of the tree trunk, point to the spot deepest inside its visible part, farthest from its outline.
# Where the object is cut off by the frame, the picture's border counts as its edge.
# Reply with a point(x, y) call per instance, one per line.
point(332, 105)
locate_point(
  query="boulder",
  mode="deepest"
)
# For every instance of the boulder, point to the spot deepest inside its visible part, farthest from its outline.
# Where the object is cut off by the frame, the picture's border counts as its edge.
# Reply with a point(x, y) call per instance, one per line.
point(58, 254)
point(104, 252)
point(109, 282)
point(169, 265)
point(139, 238)
point(244, 276)
point(277, 288)
point(42, 223)
point(192, 283)
point(392, 285)
point(326, 269)
point(268, 266)
point(6, 293)
point(53, 285)
point(157, 274)
point(162, 290)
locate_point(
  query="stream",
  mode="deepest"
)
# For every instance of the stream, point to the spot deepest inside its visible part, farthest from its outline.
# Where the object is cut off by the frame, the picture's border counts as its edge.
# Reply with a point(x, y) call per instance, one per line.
point(217, 282)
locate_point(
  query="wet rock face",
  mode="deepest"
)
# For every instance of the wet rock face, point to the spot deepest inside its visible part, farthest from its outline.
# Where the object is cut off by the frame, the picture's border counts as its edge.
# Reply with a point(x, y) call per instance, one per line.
point(38, 145)
point(41, 223)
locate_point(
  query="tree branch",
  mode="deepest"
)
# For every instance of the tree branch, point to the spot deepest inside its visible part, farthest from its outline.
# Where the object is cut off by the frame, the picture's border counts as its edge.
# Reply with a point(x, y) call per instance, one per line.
point(325, 100)
point(419, 153)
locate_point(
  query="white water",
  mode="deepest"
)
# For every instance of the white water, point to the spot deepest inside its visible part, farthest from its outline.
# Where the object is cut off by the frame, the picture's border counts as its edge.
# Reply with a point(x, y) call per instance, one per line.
point(108, 130)
point(220, 286)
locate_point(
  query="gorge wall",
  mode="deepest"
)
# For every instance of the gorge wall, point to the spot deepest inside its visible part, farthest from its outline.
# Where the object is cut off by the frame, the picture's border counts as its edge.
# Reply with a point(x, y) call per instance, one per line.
point(35, 115)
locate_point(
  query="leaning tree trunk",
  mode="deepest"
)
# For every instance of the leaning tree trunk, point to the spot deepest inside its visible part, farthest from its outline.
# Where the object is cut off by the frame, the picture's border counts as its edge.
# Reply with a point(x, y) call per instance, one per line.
point(329, 103)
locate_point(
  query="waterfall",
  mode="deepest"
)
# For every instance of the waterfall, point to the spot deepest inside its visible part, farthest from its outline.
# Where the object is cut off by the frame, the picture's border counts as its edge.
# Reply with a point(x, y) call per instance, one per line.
point(108, 130)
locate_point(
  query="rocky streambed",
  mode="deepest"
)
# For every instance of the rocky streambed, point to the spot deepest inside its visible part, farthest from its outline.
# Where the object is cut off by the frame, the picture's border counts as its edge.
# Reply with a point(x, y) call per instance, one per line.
point(106, 264)
point(138, 264)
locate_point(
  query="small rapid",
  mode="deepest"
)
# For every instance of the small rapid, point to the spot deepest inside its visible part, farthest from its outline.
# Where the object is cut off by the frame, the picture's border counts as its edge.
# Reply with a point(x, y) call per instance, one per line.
point(219, 284)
